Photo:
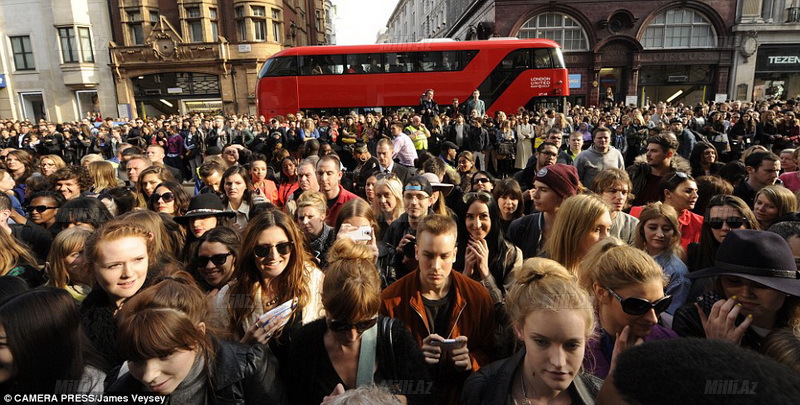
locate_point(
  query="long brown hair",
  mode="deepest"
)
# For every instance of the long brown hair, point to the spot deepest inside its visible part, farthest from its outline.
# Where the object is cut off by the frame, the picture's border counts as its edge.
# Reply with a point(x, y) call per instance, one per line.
point(293, 282)
point(65, 243)
point(12, 254)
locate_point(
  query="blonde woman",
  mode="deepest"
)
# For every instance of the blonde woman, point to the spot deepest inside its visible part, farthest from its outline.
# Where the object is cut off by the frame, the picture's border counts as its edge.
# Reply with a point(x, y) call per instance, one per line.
point(771, 203)
point(388, 202)
point(581, 222)
point(48, 164)
point(103, 175)
point(627, 287)
point(65, 266)
point(554, 321)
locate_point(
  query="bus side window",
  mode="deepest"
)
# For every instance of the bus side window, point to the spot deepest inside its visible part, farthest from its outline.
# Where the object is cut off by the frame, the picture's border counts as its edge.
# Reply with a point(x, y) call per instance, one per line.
point(542, 58)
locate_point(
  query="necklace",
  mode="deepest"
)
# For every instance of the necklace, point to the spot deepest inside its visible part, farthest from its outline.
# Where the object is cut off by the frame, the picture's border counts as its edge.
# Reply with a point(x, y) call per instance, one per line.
point(524, 393)
point(271, 302)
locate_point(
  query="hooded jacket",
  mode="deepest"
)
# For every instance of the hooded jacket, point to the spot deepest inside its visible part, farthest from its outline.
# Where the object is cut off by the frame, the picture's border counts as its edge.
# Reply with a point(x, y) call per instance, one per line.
point(639, 171)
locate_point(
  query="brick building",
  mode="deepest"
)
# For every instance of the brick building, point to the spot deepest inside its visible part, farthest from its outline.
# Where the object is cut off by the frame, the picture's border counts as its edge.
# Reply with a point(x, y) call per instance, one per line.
point(202, 55)
point(681, 50)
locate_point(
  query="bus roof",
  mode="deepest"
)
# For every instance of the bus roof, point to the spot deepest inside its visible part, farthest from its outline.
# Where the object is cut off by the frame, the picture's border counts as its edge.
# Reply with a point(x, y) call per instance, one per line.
point(418, 47)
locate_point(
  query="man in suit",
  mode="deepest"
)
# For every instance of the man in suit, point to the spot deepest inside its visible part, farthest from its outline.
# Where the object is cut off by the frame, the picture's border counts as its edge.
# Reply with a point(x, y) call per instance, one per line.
point(384, 152)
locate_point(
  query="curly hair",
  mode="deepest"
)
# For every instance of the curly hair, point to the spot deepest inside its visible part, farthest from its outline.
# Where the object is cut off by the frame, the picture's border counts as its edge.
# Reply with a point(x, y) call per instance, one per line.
point(78, 173)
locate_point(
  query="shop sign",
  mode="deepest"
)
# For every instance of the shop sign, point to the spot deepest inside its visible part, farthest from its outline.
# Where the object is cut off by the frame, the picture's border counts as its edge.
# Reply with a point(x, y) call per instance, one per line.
point(575, 81)
point(778, 59)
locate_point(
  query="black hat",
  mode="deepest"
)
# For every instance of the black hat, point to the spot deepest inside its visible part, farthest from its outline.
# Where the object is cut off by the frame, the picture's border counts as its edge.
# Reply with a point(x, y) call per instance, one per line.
point(676, 121)
point(418, 183)
point(449, 145)
point(204, 205)
point(213, 150)
point(760, 256)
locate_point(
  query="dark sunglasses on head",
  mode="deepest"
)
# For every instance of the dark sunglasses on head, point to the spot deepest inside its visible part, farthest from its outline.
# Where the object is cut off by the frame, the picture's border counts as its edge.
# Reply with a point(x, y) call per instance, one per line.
point(639, 306)
point(381, 176)
point(40, 208)
point(264, 250)
point(477, 195)
point(218, 260)
point(167, 197)
point(342, 326)
point(733, 222)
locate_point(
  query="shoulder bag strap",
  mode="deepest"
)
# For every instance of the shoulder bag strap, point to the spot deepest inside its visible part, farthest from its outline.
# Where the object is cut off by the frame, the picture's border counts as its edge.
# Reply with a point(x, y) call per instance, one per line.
point(366, 357)
point(386, 329)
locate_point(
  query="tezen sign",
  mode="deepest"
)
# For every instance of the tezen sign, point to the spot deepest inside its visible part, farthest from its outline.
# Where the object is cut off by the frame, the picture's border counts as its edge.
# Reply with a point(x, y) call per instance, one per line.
point(778, 59)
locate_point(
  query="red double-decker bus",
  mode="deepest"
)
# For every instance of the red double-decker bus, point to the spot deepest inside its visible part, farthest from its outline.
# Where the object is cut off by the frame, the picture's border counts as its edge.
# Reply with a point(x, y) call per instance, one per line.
point(510, 73)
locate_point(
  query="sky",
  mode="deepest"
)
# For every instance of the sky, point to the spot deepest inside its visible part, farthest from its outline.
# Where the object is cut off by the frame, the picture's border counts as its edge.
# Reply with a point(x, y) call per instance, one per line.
point(359, 21)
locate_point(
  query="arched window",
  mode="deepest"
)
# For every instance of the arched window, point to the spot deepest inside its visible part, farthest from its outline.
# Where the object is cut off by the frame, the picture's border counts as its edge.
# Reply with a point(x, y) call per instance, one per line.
point(679, 28)
point(558, 27)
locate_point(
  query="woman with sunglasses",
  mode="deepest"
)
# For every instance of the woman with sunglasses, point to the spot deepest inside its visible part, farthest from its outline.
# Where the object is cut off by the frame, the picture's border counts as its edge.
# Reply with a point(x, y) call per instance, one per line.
point(324, 354)
point(657, 234)
point(482, 181)
point(755, 290)
point(214, 259)
point(273, 267)
point(43, 208)
point(170, 198)
point(553, 319)
point(771, 203)
point(627, 287)
point(486, 255)
point(65, 266)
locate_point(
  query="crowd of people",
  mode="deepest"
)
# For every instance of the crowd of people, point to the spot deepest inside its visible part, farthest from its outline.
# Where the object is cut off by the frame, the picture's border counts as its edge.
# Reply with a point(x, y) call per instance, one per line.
point(430, 255)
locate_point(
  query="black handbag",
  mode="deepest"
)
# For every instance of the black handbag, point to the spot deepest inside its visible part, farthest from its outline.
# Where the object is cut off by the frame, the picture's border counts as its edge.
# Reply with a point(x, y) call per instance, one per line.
point(507, 148)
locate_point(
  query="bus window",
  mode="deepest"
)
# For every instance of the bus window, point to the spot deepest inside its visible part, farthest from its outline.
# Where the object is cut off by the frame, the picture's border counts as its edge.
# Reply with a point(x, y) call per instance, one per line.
point(466, 57)
point(558, 58)
point(280, 66)
point(322, 64)
point(399, 63)
point(363, 63)
point(542, 59)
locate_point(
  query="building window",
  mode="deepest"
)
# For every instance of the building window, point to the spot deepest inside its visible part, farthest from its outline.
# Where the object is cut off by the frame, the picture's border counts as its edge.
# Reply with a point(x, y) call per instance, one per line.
point(679, 28)
point(135, 30)
point(212, 13)
point(153, 16)
point(194, 24)
point(69, 50)
point(241, 26)
point(558, 27)
point(23, 53)
point(259, 23)
point(276, 24)
point(85, 41)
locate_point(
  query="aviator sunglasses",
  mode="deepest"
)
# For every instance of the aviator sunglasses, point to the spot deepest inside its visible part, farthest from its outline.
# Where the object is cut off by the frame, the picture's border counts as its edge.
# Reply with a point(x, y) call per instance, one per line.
point(639, 306)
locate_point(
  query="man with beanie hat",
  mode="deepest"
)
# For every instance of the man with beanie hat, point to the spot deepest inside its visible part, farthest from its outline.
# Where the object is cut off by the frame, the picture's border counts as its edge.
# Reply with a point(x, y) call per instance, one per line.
point(551, 186)
point(600, 156)
point(401, 235)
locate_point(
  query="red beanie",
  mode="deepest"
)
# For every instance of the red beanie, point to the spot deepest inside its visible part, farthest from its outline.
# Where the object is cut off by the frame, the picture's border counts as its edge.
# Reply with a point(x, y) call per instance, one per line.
point(563, 179)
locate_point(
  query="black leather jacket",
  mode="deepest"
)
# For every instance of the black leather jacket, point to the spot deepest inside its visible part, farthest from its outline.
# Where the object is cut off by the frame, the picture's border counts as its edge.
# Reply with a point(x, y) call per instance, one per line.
point(491, 384)
point(242, 374)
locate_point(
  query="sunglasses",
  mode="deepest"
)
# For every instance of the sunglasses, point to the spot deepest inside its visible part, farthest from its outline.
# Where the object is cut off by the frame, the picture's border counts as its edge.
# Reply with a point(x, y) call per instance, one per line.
point(264, 250)
point(218, 260)
point(40, 208)
point(639, 306)
point(480, 180)
point(477, 195)
point(342, 326)
point(168, 197)
point(733, 222)
point(381, 176)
